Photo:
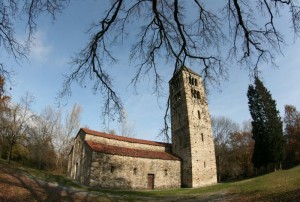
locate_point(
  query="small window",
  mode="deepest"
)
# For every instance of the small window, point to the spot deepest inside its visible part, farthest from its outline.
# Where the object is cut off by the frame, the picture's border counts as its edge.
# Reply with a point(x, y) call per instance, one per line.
point(83, 153)
point(178, 96)
point(112, 169)
point(202, 137)
point(76, 171)
point(204, 164)
point(176, 83)
point(166, 172)
point(135, 171)
point(193, 81)
point(78, 144)
point(198, 95)
point(199, 115)
point(195, 94)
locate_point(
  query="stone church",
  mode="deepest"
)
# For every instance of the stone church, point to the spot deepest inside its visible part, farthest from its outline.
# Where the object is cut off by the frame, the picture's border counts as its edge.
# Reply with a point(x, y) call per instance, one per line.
point(111, 161)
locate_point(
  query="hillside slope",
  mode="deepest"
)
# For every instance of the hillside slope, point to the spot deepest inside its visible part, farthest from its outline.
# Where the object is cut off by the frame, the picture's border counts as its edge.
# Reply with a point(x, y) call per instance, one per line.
point(23, 184)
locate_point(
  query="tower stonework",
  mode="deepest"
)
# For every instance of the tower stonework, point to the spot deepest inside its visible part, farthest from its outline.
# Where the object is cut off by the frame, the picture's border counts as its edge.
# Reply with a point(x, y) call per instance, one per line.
point(191, 129)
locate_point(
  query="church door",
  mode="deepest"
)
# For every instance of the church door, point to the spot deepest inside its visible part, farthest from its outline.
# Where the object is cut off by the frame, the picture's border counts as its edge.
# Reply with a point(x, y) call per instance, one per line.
point(150, 181)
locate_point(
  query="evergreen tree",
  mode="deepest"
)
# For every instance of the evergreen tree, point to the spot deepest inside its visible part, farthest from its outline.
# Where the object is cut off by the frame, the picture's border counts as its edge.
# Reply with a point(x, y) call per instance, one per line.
point(267, 127)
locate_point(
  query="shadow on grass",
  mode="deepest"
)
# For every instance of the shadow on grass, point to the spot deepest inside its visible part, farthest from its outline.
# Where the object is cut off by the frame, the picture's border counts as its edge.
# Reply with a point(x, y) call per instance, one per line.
point(25, 184)
point(293, 195)
point(20, 185)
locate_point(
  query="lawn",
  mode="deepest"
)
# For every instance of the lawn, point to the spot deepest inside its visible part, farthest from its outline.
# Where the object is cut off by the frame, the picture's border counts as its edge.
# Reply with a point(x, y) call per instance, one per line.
point(18, 183)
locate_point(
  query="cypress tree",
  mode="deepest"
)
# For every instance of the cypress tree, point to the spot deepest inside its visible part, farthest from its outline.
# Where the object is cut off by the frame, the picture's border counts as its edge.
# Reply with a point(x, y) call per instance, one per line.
point(266, 127)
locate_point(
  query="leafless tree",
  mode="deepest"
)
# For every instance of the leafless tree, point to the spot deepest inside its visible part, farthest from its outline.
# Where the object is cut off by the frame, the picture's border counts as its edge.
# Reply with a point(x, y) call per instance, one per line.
point(40, 135)
point(181, 32)
point(112, 131)
point(222, 128)
point(242, 146)
point(66, 130)
point(234, 148)
point(168, 29)
point(127, 128)
point(49, 137)
point(14, 124)
point(11, 13)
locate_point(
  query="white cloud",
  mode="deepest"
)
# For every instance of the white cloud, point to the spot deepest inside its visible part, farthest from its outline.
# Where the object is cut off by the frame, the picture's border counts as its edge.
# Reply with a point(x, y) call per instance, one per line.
point(40, 49)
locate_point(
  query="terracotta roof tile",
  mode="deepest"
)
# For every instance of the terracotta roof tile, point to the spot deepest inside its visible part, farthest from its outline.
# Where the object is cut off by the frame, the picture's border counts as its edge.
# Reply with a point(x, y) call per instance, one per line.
point(125, 139)
point(122, 151)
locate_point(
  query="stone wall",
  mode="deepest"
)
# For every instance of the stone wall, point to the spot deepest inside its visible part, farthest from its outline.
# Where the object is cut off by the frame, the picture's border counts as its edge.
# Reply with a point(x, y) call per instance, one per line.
point(191, 129)
point(80, 160)
point(192, 141)
point(70, 163)
point(74, 157)
point(122, 172)
point(202, 144)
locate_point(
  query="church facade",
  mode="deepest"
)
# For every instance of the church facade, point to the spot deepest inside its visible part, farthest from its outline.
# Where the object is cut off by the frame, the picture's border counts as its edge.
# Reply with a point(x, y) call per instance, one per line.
point(110, 161)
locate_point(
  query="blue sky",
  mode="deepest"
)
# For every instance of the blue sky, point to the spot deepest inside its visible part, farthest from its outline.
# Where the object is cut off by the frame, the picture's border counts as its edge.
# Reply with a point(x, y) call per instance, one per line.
point(56, 42)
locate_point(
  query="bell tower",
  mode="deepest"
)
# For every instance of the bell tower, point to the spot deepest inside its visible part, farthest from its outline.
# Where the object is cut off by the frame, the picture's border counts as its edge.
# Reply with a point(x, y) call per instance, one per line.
point(191, 129)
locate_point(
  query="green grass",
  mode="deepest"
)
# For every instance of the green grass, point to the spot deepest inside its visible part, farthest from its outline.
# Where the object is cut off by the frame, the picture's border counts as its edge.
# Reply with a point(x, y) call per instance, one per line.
point(281, 185)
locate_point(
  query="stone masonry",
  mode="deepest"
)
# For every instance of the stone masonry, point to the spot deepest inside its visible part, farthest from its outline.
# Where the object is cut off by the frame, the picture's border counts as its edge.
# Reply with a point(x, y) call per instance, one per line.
point(192, 137)
point(110, 161)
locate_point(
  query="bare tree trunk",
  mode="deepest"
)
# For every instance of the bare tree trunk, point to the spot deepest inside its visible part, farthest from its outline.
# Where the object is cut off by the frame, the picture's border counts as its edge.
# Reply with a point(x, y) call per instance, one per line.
point(280, 166)
point(219, 180)
point(40, 159)
point(9, 153)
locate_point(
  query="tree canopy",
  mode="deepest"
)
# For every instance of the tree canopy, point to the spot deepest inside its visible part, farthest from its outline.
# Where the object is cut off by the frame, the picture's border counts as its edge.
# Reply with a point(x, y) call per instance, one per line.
point(233, 147)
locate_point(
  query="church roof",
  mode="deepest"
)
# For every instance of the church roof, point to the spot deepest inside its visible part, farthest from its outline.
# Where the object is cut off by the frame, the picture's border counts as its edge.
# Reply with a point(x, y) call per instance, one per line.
point(125, 139)
point(123, 151)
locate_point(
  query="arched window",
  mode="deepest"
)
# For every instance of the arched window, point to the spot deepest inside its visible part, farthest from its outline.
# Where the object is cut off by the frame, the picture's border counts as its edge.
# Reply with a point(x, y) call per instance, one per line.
point(198, 95)
point(112, 168)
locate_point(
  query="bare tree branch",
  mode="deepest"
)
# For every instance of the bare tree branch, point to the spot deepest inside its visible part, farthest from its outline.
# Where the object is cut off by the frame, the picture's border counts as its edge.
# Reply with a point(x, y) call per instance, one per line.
point(168, 31)
point(90, 66)
point(11, 11)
